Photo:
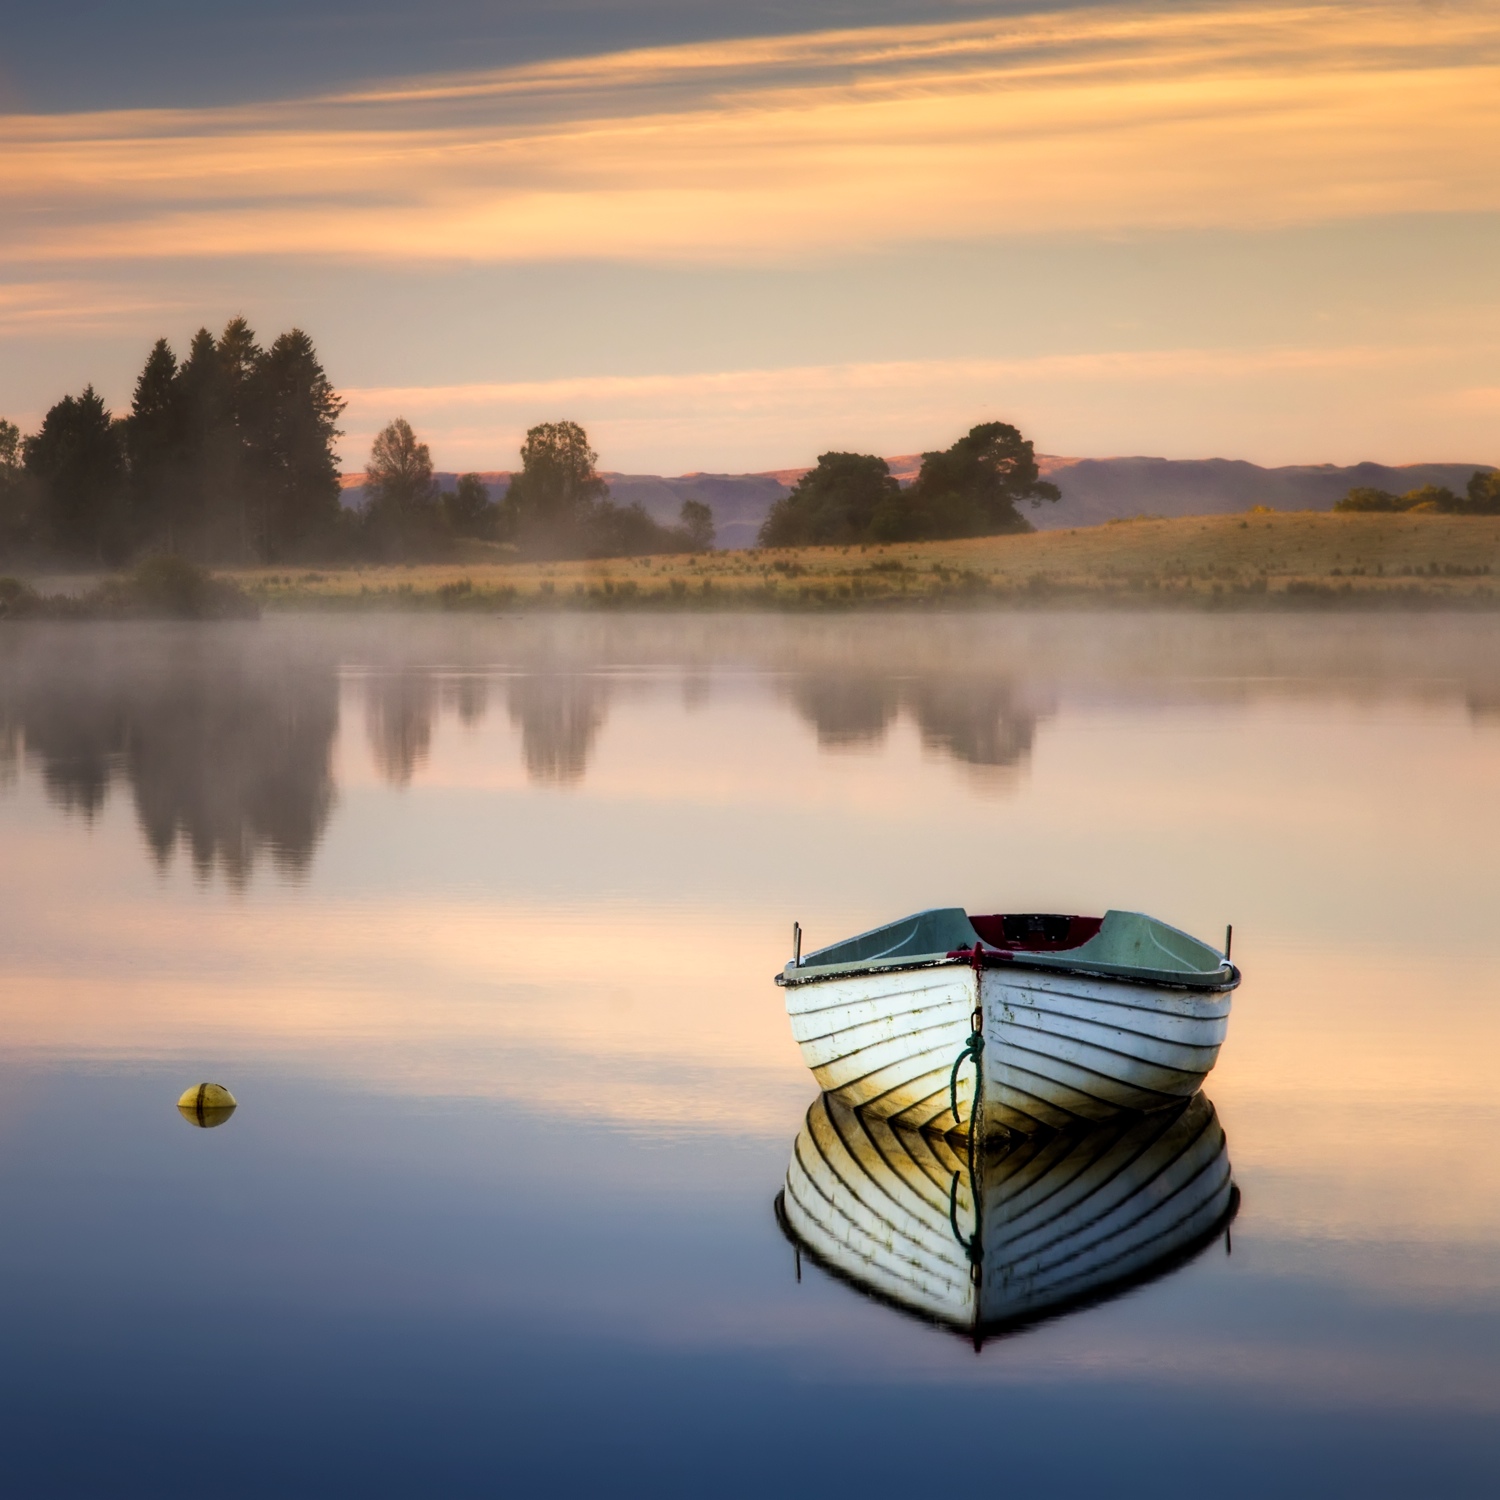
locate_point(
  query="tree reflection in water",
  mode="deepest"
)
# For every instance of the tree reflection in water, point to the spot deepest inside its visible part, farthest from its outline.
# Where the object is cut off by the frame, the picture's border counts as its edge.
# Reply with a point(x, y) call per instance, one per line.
point(978, 721)
point(846, 710)
point(225, 742)
point(227, 753)
point(10, 753)
point(560, 717)
point(981, 722)
point(399, 708)
point(468, 695)
point(224, 733)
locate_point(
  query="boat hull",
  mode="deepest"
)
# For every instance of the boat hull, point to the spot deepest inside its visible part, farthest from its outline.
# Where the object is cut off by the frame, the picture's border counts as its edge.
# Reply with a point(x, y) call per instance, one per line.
point(1045, 1224)
point(885, 1041)
point(1060, 1048)
point(1063, 1049)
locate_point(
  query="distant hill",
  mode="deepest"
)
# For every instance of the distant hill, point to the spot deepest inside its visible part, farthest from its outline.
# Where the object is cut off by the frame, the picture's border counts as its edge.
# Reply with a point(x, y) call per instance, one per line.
point(1094, 490)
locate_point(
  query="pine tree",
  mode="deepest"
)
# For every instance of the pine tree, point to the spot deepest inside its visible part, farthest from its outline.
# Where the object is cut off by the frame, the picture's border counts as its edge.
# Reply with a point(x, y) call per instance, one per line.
point(291, 414)
point(233, 507)
point(154, 446)
point(79, 460)
point(210, 447)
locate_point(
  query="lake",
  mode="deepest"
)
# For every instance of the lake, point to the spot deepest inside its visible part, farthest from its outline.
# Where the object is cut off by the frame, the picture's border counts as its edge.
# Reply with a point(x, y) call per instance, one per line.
point(479, 920)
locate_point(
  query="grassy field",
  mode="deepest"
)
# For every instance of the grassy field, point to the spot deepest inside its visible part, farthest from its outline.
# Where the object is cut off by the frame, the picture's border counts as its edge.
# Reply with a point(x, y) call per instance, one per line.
point(1257, 559)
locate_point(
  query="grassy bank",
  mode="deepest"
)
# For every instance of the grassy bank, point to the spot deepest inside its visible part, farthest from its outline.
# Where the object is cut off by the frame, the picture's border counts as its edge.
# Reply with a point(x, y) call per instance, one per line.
point(1258, 560)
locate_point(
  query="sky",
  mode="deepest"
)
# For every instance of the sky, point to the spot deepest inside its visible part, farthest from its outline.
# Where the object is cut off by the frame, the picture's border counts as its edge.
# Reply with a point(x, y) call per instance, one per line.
point(729, 238)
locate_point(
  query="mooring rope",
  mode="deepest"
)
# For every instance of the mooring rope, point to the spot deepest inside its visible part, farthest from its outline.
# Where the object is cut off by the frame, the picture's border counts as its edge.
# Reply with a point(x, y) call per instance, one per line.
point(967, 1245)
point(972, 1048)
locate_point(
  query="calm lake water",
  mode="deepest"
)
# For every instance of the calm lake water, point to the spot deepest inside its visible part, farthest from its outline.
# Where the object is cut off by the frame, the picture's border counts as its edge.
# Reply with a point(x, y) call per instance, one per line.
point(479, 921)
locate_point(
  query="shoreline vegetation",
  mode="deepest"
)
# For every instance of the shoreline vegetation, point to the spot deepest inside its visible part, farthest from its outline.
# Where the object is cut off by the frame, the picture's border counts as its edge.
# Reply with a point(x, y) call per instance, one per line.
point(1257, 560)
point(226, 461)
point(228, 458)
point(162, 587)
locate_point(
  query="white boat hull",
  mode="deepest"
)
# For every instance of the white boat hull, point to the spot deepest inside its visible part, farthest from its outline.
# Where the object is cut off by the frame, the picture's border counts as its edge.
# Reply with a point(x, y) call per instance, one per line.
point(1064, 1219)
point(1060, 1049)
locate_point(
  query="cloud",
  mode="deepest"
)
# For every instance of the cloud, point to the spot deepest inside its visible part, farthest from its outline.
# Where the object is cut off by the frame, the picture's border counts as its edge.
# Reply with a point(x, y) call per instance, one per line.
point(1358, 401)
point(784, 146)
point(75, 306)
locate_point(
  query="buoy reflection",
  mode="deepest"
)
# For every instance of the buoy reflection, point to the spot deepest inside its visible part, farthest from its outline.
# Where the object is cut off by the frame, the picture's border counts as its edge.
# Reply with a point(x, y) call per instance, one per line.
point(1058, 1221)
point(206, 1105)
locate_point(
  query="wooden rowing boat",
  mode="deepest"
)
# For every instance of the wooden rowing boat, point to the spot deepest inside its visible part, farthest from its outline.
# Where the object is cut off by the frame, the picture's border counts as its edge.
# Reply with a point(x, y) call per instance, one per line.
point(1064, 1020)
point(1042, 1224)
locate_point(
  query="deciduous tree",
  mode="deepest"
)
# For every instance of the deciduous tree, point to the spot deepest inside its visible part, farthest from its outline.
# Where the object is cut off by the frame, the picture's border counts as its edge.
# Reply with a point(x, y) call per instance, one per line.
point(469, 509)
point(549, 504)
point(970, 489)
point(18, 495)
point(1482, 497)
point(402, 511)
point(832, 504)
point(696, 524)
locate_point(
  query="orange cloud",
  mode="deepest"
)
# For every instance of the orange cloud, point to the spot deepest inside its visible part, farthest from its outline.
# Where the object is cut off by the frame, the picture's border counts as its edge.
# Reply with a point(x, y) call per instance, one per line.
point(772, 147)
point(1381, 400)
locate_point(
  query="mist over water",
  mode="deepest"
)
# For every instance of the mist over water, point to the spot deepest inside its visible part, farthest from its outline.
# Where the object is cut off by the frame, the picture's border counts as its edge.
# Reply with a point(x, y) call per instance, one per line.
point(478, 920)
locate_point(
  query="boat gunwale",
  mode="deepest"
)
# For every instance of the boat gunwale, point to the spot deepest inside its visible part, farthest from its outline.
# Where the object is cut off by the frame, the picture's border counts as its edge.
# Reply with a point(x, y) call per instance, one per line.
point(1217, 981)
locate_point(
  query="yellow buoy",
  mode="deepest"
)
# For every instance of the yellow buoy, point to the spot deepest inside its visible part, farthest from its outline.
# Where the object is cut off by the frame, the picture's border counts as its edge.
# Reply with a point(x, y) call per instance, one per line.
point(206, 1104)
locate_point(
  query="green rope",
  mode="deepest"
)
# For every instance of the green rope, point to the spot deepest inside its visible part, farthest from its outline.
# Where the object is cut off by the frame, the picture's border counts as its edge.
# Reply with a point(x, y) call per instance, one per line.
point(972, 1048)
point(965, 1244)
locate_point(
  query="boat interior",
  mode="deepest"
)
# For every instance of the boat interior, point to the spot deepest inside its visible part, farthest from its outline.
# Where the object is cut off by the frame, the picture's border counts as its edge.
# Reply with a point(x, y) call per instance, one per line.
point(1119, 941)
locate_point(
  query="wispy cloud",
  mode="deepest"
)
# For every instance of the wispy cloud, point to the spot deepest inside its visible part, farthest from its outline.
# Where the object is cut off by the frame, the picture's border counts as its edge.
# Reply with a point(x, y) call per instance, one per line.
point(1096, 120)
point(76, 306)
point(1379, 400)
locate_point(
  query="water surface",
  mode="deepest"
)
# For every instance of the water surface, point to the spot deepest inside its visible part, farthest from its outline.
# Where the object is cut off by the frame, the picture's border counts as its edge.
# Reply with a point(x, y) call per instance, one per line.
point(479, 919)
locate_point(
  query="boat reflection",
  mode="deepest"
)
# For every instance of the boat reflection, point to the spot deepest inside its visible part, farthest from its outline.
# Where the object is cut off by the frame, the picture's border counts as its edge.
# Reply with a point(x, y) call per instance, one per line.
point(1059, 1221)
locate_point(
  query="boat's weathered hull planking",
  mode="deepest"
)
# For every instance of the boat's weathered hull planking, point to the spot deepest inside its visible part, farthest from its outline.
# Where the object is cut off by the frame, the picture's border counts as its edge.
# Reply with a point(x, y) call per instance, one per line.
point(1117, 1212)
point(879, 1199)
point(1067, 1217)
point(851, 1202)
point(921, 1102)
point(1066, 1048)
point(1060, 1048)
point(1174, 1041)
point(886, 1040)
point(876, 1038)
point(838, 1005)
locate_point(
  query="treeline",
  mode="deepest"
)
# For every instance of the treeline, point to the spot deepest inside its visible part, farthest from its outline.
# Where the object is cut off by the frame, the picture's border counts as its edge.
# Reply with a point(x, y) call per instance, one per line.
point(970, 489)
point(225, 456)
point(557, 506)
point(1480, 498)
